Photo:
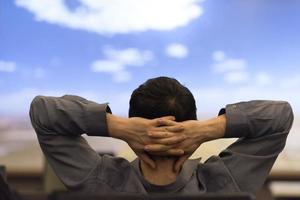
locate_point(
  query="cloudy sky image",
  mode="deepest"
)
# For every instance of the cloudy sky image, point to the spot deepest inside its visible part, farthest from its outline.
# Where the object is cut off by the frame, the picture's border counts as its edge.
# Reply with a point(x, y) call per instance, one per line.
point(224, 51)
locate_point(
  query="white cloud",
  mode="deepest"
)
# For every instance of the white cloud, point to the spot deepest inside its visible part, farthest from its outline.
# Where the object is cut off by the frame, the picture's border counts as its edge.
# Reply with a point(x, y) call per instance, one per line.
point(234, 70)
point(229, 65)
point(110, 66)
point(177, 50)
point(7, 66)
point(236, 76)
point(263, 78)
point(218, 56)
point(130, 56)
point(117, 62)
point(118, 16)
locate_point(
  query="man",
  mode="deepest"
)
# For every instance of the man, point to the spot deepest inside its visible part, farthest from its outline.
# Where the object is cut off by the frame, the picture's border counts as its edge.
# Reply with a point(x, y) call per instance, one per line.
point(163, 131)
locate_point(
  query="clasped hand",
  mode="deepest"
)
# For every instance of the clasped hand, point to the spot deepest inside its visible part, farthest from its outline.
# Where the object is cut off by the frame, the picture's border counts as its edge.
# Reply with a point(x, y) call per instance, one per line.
point(163, 136)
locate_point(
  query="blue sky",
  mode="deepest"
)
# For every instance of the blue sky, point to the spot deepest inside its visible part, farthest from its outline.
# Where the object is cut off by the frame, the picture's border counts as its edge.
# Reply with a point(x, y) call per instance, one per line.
point(223, 50)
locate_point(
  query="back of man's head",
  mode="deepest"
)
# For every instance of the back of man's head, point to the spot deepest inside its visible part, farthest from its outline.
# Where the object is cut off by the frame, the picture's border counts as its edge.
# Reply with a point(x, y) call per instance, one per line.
point(162, 96)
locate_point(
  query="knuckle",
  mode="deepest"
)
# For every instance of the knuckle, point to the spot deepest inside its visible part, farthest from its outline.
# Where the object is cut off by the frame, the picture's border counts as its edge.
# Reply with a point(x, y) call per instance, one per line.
point(150, 133)
point(180, 137)
point(157, 121)
point(169, 142)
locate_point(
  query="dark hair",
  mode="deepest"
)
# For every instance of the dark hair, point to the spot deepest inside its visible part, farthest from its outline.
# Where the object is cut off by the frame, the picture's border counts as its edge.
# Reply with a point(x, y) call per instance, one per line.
point(162, 96)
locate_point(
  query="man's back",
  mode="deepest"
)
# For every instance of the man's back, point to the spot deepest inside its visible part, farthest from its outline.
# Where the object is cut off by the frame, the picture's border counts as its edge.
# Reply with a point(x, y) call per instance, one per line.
point(194, 178)
point(262, 127)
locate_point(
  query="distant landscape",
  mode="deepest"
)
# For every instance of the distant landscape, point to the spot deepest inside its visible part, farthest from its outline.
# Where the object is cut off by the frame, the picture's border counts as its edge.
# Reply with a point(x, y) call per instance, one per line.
point(17, 132)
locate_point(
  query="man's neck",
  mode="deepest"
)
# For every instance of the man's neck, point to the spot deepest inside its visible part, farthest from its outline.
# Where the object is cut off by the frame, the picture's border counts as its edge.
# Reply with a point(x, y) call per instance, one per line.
point(163, 174)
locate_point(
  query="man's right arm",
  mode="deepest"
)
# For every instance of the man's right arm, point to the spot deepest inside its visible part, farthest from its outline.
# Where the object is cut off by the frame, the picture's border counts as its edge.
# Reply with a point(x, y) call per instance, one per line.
point(60, 121)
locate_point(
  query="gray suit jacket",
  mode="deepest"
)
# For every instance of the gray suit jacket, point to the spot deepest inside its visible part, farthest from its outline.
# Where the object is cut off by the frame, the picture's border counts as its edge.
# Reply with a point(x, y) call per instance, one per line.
point(261, 126)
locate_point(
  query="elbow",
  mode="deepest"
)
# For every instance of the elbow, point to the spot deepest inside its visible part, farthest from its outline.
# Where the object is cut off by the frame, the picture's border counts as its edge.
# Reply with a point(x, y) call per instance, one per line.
point(287, 118)
point(35, 106)
point(38, 111)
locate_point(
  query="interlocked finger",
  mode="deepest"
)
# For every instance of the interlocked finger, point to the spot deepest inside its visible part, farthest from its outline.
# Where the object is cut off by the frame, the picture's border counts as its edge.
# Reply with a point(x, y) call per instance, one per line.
point(176, 128)
point(174, 152)
point(160, 133)
point(165, 122)
point(157, 147)
point(170, 152)
point(170, 140)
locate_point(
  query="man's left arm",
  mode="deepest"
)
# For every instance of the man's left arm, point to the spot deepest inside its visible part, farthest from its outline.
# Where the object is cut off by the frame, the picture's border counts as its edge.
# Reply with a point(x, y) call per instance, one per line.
point(262, 128)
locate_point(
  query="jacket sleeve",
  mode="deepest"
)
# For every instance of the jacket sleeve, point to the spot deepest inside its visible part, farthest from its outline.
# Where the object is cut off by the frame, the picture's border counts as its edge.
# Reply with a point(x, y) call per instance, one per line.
point(59, 123)
point(262, 128)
